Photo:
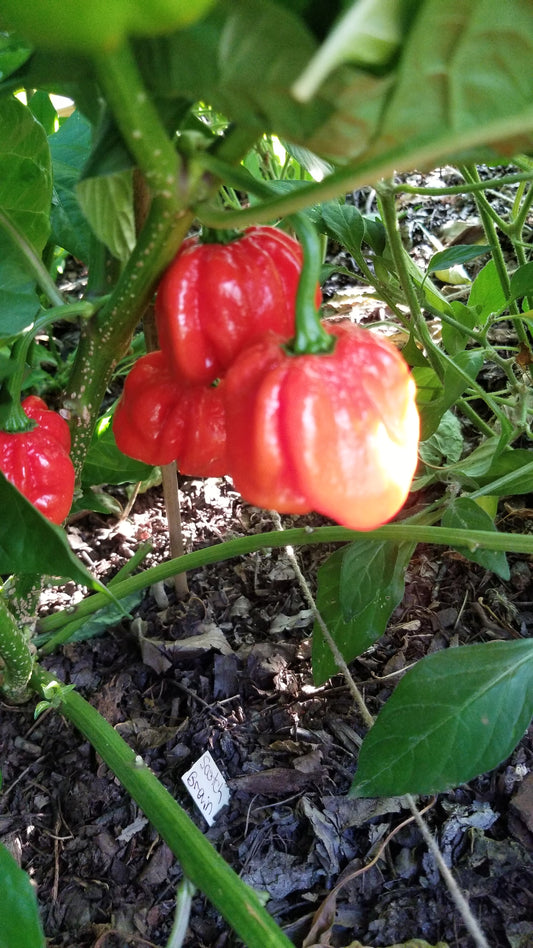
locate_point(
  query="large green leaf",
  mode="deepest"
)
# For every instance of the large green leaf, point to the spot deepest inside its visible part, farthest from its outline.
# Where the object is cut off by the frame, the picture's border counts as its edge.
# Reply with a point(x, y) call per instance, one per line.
point(242, 60)
point(464, 76)
point(359, 586)
point(31, 544)
point(70, 147)
point(456, 714)
point(19, 914)
point(25, 194)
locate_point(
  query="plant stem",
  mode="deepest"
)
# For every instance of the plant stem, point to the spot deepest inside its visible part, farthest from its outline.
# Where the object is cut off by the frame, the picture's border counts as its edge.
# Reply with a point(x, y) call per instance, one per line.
point(105, 338)
point(201, 863)
point(34, 265)
point(454, 890)
point(16, 664)
point(311, 337)
point(489, 221)
point(396, 532)
point(138, 119)
point(386, 200)
point(469, 187)
point(363, 173)
point(476, 419)
point(172, 505)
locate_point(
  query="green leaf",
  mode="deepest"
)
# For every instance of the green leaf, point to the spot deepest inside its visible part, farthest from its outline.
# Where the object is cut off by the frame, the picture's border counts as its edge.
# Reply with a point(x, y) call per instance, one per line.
point(79, 630)
point(98, 501)
point(29, 543)
point(70, 147)
point(456, 714)
point(359, 586)
point(25, 194)
point(412, 354)
point(434, 396)
point(465, 514)
point(345, 224)
point(445, 444)
point(14, 52)
point(471, 85)
point(453, 339)
point(522, 281)
point(511, 472)
point(455, 256)
point(368, 34)
point(105, 464)
point(495, 468)
point(19, 913)
point(107, 203)
point(316, 167)
point(486, 295)
point(41, 106)
point(241, 60)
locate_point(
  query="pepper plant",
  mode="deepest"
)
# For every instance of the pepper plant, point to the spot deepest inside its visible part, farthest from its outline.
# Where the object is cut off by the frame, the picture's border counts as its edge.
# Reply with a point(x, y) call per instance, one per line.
point(357, 93)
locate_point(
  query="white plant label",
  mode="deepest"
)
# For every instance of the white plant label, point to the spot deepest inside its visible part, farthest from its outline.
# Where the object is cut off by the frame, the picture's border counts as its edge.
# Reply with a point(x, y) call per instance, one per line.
point(207, 787)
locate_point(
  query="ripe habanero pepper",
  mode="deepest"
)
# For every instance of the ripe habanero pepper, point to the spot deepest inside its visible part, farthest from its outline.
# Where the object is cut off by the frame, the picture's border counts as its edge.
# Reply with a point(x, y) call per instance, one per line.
point(215, 298)
point(37, 462)
point(160, 419)
point(335, 432)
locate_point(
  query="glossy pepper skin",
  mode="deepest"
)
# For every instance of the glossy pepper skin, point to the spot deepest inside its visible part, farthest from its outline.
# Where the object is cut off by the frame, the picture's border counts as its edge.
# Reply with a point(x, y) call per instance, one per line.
point(37, 462)
point(214, 299)
point(159, 419)
point(336, 433)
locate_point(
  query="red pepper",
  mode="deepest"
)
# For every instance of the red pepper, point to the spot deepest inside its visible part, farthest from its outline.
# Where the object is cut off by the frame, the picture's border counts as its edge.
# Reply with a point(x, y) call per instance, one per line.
point(334, 432)
point(37, 462)
point(160, 419)
point(215, 298)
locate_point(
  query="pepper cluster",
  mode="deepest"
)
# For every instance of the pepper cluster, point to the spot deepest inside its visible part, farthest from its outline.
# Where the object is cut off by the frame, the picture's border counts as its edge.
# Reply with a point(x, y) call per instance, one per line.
point(213, 300)
point(334, 431)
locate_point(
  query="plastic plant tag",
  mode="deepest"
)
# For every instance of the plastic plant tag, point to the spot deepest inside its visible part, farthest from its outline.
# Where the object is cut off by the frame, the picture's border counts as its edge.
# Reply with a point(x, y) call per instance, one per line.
point(207, 787)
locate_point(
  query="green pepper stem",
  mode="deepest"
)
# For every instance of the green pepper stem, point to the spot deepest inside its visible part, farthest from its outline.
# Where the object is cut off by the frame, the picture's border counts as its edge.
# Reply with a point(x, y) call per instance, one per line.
point(311, 337)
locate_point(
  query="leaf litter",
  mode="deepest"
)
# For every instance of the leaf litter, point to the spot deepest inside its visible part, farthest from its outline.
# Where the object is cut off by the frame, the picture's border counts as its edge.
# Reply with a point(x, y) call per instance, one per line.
point(288, 749)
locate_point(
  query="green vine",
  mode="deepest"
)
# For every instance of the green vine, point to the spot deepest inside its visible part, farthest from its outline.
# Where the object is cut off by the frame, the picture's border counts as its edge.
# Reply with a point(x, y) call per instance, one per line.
point(17, 657)
point(201, 862)
point(395, 532)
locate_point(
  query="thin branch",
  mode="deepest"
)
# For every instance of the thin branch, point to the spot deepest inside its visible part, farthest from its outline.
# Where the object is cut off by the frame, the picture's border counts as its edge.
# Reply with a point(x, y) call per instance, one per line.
point(35, 265)
point(337, 655)
point(457, 896)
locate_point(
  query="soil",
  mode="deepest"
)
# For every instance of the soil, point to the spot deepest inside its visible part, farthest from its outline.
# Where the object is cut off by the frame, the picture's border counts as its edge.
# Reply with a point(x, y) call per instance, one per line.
point(243, 690)
point(288, 750)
